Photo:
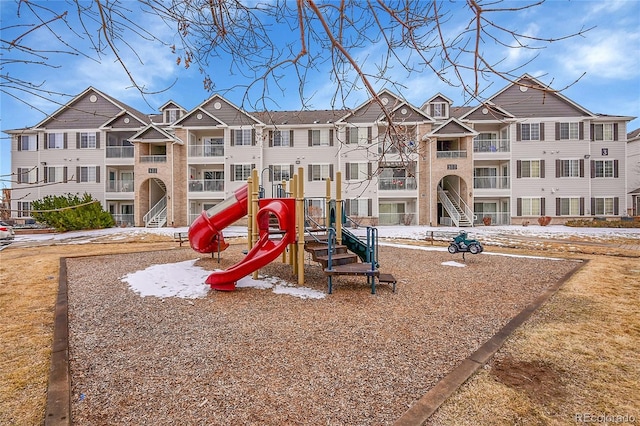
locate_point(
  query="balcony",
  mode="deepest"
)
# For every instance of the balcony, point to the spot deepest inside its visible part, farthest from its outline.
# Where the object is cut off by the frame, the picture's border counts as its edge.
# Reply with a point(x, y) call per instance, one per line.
point(206, 151)
point(206, 185)
point(397, 184)
point(119, 152)
point(123, 219)
point(153, 158)
point(451, 154)
point(125, 185)
point(491, 146)
point(492, 182)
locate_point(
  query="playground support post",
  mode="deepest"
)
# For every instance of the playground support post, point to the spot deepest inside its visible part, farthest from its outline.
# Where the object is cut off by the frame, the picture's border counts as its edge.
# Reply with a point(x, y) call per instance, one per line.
point(283, 194)
point(249, 214)
point(339, 207)
point(294, 247)
point(300, 213)
point(327, 212)
point(255, 206)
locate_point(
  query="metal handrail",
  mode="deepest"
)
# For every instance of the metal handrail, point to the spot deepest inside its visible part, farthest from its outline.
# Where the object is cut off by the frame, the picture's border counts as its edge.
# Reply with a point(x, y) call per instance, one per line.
point(156, 210)
point(448, 205)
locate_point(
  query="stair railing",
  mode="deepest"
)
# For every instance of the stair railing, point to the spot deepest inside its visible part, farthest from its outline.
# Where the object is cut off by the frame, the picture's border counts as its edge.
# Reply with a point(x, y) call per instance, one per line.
point(155, 211)
point(468, 211)
point(448, 205)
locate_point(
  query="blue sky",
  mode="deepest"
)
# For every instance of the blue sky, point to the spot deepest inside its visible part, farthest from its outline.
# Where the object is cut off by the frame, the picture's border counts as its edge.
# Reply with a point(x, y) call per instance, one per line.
point(608, 56)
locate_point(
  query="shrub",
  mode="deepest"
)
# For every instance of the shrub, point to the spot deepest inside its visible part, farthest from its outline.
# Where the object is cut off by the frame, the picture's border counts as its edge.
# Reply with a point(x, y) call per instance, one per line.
point(71, 212)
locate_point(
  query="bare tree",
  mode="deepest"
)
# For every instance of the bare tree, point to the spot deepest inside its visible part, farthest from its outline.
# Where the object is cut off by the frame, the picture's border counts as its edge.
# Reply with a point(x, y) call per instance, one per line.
point(265, 43)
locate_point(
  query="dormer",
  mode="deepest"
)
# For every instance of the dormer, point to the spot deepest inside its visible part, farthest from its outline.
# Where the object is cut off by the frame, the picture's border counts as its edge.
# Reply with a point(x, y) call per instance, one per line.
point(171, 112)
point(438, 107)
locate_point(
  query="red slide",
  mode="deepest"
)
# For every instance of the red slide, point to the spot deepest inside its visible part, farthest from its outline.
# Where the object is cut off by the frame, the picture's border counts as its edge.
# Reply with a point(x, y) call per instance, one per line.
point(204, 232)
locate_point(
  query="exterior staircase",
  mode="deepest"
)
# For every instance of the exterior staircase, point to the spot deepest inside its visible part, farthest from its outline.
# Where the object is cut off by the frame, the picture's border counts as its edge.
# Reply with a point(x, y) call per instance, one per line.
point(461, 217)
point(157, 216)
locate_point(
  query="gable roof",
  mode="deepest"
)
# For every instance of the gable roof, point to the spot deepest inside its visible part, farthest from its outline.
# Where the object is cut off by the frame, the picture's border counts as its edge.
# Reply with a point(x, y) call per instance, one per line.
point(152, 133)
point(453, 128)
point(372, 111)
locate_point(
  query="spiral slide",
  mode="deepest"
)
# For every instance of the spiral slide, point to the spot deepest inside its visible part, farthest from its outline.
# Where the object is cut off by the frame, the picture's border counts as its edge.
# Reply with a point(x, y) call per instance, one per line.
point(205, 235)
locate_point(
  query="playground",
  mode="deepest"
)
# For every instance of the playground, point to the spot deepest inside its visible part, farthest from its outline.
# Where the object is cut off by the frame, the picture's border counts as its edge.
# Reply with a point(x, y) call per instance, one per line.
point(257, 357)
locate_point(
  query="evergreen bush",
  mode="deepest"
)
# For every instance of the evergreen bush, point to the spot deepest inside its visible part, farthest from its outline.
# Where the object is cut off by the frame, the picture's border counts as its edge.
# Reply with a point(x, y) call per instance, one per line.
point(71, 212)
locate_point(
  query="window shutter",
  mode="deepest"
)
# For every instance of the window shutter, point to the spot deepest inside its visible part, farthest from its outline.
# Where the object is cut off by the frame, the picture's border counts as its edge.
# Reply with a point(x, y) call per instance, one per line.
point(19, 138)
point(558, 168)
point(369, 171)
point(542, 131)
point(369, 207)
point(542, 169)
point(581, 168)
point(581, 206)
point(77, 140)
point(232, 141)
point(77, 174)
point(369, 135)
point(347, 207)
point(270, 137)
point(347, 132)
point(519, 169)
point(46, 174)
point(518, 132)
point(581, 130)
point(37, 141)
point(331, 171)
point(290, 170)
point(616, 205)
point(592, 129)
point(309, 170)
point(253, 137)
point(542, 209)
point(291, 138)
point(558, 207)
point(593, 206)
point(310, 137)
point(271, 174)
point(557, 131)
point(615, 168)
point(97, 140)
point(615, 131)
point(232, 170)
point(46, 140)
point(330, 137)
point(98, 174)
point(64, 174)
point(519, 207)
point(253, 166)
point(37, 176)
point(347, 171)
point(593, 169)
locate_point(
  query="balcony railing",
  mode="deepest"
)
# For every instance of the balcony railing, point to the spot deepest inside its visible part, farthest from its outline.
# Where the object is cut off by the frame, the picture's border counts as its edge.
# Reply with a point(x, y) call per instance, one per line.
point(491, 182)
point(451, 154)
point(206, 185)
point(491, 145)
point(397, 218)
point(397, 183)
point(119, 152)
point(153, 158)
point(496, 218)
point(120, 185)
point(206, 150)
point(123, 219)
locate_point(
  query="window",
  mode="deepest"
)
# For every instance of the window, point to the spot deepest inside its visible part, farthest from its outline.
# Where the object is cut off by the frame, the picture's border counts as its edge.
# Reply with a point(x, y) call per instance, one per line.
point(357, 171)
point(319, 171)
point(569, 131)
point(242, 171)
point(28, 175)
point(530, 168)
point(439, 110)
point(485, 177)
point(243, 137)
point(24, 208)
point(55, 141)
point(88, 174)
point(320, 138)
point(171, 115)
point(569, 206)
point(358, 207)
point(530, 207)
point(27, 143)
point(604, 168)
point(569, 168)
point(530, 131)
point(87, 140)
point(280, 138)
point(352, 135)
point(604, 206)
point(602, 132)
point(281, 172)
point(54, 174)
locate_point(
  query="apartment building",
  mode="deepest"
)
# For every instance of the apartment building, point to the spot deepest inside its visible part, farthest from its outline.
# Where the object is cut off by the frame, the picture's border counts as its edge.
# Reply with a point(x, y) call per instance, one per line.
point(526, 152)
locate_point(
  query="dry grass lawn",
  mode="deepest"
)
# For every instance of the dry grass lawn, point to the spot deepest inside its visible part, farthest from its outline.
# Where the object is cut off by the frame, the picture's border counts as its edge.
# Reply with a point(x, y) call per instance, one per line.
point(577, 355)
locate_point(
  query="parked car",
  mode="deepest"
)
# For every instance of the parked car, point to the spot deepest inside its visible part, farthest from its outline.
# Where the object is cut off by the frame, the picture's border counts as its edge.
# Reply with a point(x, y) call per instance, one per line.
point(7, 233)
